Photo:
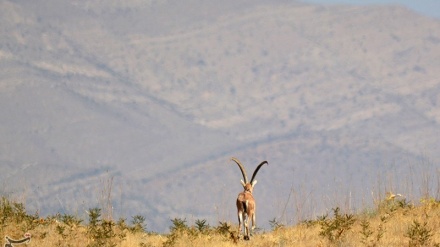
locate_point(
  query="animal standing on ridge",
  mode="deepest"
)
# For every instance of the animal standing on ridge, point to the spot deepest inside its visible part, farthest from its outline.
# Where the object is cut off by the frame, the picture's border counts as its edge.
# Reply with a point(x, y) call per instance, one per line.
point(245, 201)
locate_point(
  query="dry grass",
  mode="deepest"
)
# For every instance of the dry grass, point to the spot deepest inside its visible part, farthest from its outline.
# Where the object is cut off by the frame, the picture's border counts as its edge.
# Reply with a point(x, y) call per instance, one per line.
point(392, 223)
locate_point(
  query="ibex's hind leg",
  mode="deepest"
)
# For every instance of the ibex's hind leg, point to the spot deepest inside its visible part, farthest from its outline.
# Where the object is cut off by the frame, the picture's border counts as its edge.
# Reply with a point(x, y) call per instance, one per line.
point(246, 231)
point(240, 223)
point(254, 223)
point(246, 228)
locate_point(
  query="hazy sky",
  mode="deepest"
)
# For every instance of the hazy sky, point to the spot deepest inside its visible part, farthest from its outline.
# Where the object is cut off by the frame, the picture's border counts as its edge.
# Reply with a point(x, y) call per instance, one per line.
point(426, 7)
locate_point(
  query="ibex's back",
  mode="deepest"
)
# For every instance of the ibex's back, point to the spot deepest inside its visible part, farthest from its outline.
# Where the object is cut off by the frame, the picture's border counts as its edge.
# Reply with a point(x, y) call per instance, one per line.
point(245, 201)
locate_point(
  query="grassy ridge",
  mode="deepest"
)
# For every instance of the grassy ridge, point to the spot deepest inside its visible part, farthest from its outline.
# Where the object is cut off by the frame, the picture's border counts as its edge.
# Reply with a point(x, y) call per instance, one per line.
point(394, 222)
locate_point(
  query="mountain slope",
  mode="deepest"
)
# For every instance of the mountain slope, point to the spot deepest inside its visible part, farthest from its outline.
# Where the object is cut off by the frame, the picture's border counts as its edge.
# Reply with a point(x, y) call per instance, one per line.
point(159, 95)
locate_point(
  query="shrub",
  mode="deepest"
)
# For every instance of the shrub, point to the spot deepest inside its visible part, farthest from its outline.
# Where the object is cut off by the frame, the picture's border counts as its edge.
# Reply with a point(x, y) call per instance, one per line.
point(275, 224)
point(334, 229)
point(70, 220)
point(100, 231)
point(138, 224)
point(367, 234)
point(223, 228)
point(419, 234)
point(179, 225)
point(15, 212)
point(202, 226)
point(178, 228)
point(394, 202)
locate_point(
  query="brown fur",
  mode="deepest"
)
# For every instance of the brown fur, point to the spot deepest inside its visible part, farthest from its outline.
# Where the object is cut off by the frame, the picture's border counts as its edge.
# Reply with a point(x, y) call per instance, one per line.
point(245, 201)
point(246, 210)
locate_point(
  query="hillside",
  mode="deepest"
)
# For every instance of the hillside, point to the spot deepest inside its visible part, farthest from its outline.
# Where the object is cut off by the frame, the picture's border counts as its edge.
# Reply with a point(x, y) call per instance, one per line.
point(146, 101)
point(392, 222)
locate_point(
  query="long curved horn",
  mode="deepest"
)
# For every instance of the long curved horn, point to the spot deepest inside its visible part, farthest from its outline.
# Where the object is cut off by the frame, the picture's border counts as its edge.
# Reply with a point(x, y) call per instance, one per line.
point(256, 170)
point(243, 171)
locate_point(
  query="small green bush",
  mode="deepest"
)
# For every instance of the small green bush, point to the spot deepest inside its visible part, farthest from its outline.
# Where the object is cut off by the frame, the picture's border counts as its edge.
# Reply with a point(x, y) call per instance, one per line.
point(419, 234)
point(275, 224)
point(99, 231)
point(202, 226)
point(138, 224)
point(334, 229)
point(368, 238)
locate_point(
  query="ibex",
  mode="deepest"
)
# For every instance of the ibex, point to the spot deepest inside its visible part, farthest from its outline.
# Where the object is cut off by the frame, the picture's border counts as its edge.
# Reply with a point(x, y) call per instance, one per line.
point(246, 202)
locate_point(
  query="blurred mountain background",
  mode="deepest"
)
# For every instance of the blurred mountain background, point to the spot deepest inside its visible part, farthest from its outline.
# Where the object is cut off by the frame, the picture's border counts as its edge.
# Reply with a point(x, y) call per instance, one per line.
point(138, 106)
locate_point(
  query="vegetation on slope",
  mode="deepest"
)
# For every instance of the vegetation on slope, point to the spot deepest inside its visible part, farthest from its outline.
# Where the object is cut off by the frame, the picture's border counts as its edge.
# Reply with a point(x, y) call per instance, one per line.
point(393, 222)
